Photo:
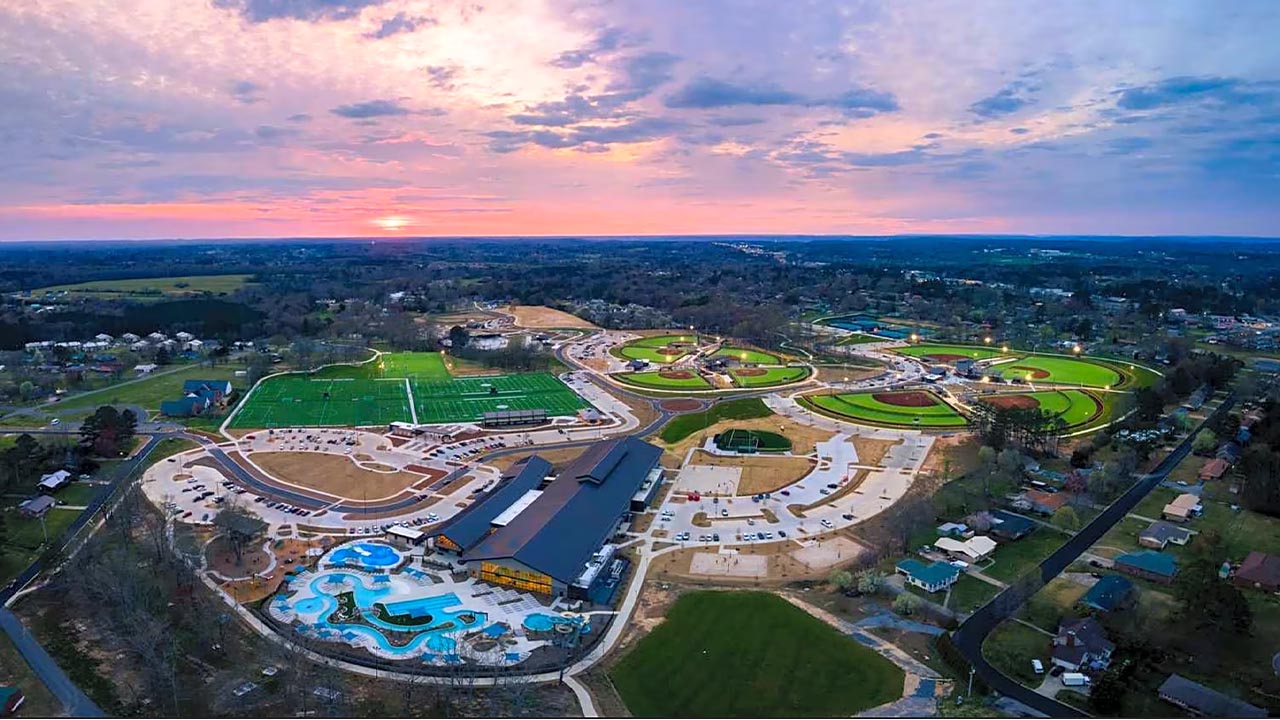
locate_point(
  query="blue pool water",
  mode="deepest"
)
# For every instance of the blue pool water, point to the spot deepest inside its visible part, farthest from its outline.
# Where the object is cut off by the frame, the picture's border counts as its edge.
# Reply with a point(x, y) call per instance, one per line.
point(370, 555)
point(542, 622)
point(324, 603)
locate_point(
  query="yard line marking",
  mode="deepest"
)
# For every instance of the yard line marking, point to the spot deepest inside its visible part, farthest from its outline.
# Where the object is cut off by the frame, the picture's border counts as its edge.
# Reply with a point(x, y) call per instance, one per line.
point(413, 411)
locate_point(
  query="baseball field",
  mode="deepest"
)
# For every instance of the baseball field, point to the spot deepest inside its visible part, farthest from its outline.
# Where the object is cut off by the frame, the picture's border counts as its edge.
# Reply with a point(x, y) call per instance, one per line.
point(901, 408)
point(659, 349)
point(666, 380)
point(767, 377)
point(743, 355)
point(1075, 407)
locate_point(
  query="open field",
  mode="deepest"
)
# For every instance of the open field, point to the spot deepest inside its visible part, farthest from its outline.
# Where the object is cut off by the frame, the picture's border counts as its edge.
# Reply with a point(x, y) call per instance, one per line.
point(1062, 370)
point(739, 654)
point(1075, 407)
point(665, 380)
point(146, 393)
point(1012, 646)
point(859, 339)
point(159, 288)
point(744, 355)
point(949, 353)
point(740, 439)
point(1012, 559)
point(760, 473)
point(24, 536)
point(333, 474)
point(683, 426)
point(541, 317)
point(294, 400)
point(913, 408)
point(767, 377)
point(415, 365)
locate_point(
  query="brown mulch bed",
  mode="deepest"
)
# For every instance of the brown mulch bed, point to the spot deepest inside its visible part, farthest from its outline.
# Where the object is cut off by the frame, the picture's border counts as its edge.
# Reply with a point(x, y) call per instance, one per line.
point(910, 398)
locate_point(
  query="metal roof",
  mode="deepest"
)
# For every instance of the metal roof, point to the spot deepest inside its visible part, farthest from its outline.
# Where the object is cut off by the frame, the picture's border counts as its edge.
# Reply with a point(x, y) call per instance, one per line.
point(469, 526)
point(1206, 701)
point(506, 516)
point(560, 531)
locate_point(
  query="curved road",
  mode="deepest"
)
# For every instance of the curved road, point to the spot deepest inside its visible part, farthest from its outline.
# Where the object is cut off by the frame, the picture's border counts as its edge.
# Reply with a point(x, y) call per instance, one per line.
point(974, 630)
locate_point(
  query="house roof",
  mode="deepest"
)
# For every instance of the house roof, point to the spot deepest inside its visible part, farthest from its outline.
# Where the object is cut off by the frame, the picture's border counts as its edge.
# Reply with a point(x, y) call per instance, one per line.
point(1163, 532)
point(469, 526)
point(560, 531)
point(39, 503)
point(1053, 501)
point(1207, 701)
point(1086, 632)
point(1260, 568)
point(1011, 523)
point(930, 574)
point(1151, 561)
point(1108, 592)
point(1213, 469)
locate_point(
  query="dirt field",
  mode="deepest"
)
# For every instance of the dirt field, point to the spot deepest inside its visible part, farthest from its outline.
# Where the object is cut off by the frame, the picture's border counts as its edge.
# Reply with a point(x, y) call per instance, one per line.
point(951, 456)
point(222, 559)
point(870, 450)
point(540, 317)
point(905, 399)
point(786, 561)
point(558, 458)
point(760, 473)
point(1005, 402)
point(837, 374)
point(333, 474)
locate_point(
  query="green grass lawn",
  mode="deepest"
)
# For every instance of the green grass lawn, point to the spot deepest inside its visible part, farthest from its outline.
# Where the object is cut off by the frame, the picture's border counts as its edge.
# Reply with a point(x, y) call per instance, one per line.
point(1011, 648)
point(927, 350)
point(417, 365)
point(466, 399)
point(295, 400)
point(78, 493)
point(647, 348)
point(755, 357)
point(859, 339)
point(970, 593)
point(866, 407)
point(14, 671)
point(1012, 559)
point(1065, 370)
point(1053, 602)
point(147, 393)
point(654, 379)
point(750, 654)
point(682, 426)
point(158, 288)
point(771, 376)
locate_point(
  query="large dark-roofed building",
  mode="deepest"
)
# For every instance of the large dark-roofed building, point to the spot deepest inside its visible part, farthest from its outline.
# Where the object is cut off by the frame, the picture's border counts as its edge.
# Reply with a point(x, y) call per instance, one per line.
point(470, 526)
point(547, 546)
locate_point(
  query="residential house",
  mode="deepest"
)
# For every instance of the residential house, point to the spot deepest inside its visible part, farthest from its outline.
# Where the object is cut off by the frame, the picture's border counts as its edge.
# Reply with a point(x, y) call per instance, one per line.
point(145, 368)
point(955, 530)
point(197, 397)
point(54, 481)
point(1010, 526)
point(1183, 508)
point(139, 345)
point(1110, 593)
point(184, 337)
point(157, 337)
point(1230, 452)
point(1082, 644)
point(1153, 565)
point(1160, 533)
point(1045, 503)
point(129, 338)
point(36, 506)
point(931, 578)
point(1213, 469)
point(1207, 702)
point(1260, 571)
point(974, 549)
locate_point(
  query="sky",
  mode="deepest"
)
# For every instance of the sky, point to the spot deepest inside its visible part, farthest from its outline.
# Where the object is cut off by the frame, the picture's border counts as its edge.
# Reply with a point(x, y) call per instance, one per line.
point(324, 118)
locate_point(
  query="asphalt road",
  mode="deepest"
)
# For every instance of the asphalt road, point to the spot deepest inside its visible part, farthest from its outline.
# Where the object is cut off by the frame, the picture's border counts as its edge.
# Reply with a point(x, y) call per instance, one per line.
point(973, 631)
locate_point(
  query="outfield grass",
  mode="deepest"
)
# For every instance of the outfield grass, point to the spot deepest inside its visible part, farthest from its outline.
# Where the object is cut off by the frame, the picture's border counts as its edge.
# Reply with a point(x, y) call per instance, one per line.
point(863, 407)
point(647, 348)
point(1063, 370)
point(1075, 407)
point(654, 379)
point(968, 351)
point(772, 376)
point(682, 426)
point(754, 357)
point(750, 654)
point(158, 288)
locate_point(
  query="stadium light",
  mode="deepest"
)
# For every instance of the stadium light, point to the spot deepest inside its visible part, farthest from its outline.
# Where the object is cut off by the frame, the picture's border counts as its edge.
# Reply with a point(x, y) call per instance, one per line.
point(914, 337)
point(1004, 348)
point(987, 339)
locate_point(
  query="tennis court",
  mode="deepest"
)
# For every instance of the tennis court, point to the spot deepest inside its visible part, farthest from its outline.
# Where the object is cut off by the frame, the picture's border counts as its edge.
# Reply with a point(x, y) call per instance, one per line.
point(467, 399)
point(295, 400)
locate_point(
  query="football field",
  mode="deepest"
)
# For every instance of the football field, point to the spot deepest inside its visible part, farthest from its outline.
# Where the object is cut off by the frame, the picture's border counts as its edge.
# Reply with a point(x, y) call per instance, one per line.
point(467, 399)
point(295, 400)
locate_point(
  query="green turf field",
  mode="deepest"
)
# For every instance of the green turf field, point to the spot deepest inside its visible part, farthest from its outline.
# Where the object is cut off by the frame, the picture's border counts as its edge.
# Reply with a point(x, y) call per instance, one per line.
point(417, 365)
point(295, 400)
point(1063, 370)
point(750, 654)
point(647, 348)
point(754, 357)
point(859, 339)
point(682, 426)
point(771, 376)
point(740, 440)
point(865, 407)
point(1075, 407)
point(968, 351)
point(466, 399)
point(654, 379)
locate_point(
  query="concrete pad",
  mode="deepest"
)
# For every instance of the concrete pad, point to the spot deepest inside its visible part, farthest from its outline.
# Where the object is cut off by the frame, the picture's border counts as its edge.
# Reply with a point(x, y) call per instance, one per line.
point(708, 479)
point(729, 565)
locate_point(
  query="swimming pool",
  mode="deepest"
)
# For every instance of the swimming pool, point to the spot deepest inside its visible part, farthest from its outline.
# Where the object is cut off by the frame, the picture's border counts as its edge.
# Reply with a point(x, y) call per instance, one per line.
point(441, 616)
point(542, 622)
point(370, 555)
